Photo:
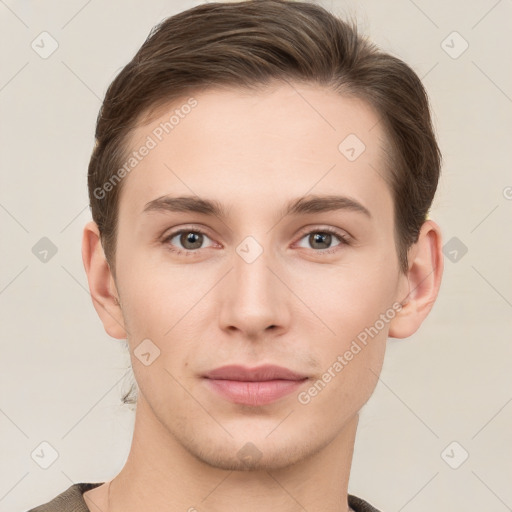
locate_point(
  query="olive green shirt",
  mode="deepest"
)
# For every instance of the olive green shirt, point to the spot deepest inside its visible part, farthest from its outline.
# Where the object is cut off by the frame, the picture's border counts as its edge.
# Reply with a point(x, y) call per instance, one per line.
point(71, 500)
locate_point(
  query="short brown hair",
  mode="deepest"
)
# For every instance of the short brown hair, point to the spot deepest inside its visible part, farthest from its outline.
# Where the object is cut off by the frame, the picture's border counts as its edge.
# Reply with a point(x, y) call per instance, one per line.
point(249, 44)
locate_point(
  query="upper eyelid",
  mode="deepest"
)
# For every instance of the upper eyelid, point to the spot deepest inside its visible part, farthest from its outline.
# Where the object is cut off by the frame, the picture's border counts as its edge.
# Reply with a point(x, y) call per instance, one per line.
point(328, 229)
point(173, 233)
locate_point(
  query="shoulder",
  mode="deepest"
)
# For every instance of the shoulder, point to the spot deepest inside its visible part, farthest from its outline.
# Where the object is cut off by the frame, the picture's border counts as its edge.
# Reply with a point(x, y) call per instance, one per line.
point(71, 500)
point(360, 505)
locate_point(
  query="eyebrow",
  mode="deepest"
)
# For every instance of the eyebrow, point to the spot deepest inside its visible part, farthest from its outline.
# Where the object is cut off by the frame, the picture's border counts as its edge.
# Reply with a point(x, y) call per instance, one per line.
point(301, 205)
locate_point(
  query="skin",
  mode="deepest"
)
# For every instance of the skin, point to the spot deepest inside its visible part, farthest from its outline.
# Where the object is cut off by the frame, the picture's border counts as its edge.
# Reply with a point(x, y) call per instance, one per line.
point(253, 152)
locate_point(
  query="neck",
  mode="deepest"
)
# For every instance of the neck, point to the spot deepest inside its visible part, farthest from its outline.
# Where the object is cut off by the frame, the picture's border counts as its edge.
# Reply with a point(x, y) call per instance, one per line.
point(160, 474)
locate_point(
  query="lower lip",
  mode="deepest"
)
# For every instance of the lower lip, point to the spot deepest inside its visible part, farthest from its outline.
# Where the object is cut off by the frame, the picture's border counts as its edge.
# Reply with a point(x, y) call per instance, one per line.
point(254, 393)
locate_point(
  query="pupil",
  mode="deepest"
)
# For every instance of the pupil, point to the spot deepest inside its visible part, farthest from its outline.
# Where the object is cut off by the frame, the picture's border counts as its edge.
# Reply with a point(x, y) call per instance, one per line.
point(322, 238)
point(192, 238)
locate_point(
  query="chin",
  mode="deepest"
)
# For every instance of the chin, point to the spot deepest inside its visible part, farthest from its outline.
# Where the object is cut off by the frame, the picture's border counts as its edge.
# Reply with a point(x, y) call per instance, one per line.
point(264, 449)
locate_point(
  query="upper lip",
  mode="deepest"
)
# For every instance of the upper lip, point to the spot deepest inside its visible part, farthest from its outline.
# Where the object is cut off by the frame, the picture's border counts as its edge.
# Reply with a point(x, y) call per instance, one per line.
point(260, 373)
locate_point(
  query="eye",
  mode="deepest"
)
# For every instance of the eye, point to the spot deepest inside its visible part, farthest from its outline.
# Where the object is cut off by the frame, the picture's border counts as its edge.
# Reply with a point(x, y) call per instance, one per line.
point(190, 240)
point(320, 238)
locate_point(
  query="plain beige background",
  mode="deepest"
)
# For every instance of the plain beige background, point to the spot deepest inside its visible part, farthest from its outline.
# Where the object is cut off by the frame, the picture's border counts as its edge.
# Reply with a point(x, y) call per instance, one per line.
point(444, 393)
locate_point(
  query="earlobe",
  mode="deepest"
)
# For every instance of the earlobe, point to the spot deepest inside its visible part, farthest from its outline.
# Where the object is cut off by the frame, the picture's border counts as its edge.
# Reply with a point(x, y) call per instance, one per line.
point(101, 283)
point(422, 282)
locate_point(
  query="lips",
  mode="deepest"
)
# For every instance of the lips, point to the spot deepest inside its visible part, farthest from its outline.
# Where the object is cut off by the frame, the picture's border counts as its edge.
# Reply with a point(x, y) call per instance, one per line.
point(258, 374)
point(253, 386)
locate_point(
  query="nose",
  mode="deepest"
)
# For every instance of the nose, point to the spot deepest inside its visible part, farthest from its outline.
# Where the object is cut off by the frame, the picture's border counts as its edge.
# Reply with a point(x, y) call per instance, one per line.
point(254, 300)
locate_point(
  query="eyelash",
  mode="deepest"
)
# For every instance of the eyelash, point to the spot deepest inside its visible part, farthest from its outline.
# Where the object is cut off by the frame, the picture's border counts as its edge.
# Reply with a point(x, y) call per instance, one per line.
point(344, 240)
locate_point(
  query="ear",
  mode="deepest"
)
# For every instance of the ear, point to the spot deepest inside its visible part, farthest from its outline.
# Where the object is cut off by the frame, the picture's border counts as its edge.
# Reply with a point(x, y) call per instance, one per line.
point(101, 282)
point(418, 289)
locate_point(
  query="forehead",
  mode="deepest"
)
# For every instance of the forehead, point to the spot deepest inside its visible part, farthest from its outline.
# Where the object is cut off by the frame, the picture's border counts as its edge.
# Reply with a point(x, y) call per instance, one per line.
point(286, 140)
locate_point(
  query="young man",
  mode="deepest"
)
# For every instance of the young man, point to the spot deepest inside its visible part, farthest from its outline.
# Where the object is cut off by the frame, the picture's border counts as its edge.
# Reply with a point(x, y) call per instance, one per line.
point(259, 188)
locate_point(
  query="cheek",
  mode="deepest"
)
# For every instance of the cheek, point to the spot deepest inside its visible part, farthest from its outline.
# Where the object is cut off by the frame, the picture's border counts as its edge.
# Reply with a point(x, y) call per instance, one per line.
point(354, 310)
point(350, 373)
point(162, 306)
point(346, 299)
point(158, 294)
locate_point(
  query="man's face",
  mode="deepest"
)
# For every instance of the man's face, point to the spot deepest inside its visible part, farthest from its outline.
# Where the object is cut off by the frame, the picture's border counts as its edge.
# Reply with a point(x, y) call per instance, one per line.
point(255, 287)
